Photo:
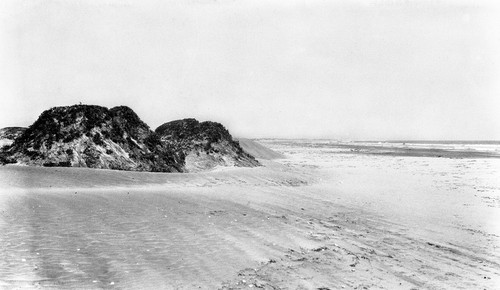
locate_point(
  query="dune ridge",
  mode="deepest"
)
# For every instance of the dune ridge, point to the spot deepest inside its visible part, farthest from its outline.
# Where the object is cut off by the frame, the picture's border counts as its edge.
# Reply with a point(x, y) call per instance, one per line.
point(98, 137)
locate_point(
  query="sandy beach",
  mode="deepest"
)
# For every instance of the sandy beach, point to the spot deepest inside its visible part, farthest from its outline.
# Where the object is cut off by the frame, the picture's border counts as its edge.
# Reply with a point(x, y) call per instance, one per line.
point(319, 219)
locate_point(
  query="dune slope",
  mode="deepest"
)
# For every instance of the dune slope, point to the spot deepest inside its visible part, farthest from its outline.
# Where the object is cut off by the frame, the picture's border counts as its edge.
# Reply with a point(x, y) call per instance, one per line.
point(258, 150)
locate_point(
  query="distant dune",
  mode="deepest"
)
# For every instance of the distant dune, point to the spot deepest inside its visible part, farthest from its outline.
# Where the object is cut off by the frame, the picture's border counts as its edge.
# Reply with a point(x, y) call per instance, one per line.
point(258, 151)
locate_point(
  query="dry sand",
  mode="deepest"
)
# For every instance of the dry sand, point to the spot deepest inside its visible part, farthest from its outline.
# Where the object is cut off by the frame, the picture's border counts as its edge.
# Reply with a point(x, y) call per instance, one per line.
point(258, 150)
point(315, 220)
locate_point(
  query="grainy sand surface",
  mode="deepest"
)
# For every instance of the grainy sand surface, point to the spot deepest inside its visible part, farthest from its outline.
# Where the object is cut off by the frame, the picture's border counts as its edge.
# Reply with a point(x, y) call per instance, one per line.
point(316, 220)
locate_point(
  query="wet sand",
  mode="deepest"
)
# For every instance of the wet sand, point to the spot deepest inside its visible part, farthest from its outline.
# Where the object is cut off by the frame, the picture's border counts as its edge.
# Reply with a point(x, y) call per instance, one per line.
point(312, 221)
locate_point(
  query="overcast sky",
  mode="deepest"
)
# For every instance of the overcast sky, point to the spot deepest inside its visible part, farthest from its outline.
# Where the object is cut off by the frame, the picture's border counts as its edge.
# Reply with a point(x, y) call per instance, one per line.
point(315, 69)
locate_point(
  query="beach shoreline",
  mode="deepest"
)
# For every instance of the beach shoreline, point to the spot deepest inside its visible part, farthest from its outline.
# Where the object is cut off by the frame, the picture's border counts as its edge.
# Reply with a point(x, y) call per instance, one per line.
point(313, 220)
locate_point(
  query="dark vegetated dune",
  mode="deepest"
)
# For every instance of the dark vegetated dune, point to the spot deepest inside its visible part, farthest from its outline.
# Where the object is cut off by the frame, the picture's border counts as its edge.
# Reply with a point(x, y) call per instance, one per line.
point(205, 145)
point(94, 137)
point(11, 133)
point(98, 137)
point(258, 150)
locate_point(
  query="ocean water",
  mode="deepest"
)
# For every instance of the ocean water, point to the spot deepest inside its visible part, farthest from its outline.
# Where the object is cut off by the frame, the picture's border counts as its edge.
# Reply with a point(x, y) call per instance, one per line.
point(450, 149)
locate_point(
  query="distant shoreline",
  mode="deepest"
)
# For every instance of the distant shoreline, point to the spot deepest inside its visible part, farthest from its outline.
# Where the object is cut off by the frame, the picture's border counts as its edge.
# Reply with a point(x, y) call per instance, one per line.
point(486, 142)
point(440, 149)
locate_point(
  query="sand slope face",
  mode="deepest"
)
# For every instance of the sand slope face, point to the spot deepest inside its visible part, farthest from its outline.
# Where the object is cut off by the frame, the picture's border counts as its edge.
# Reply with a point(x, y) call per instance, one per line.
point(258, 150)
point(316, 220)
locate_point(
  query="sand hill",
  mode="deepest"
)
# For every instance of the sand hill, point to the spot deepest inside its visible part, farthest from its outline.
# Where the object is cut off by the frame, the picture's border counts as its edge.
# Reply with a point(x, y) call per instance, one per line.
point(116, 138)
point(205, 145)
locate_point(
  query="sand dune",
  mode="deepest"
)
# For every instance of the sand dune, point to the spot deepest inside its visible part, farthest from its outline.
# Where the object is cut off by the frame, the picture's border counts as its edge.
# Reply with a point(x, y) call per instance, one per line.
point(311, 221)
point(258, 150)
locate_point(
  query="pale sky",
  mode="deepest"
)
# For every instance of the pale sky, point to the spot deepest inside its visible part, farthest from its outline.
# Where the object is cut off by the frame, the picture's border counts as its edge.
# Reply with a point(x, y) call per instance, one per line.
point(311, 69)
